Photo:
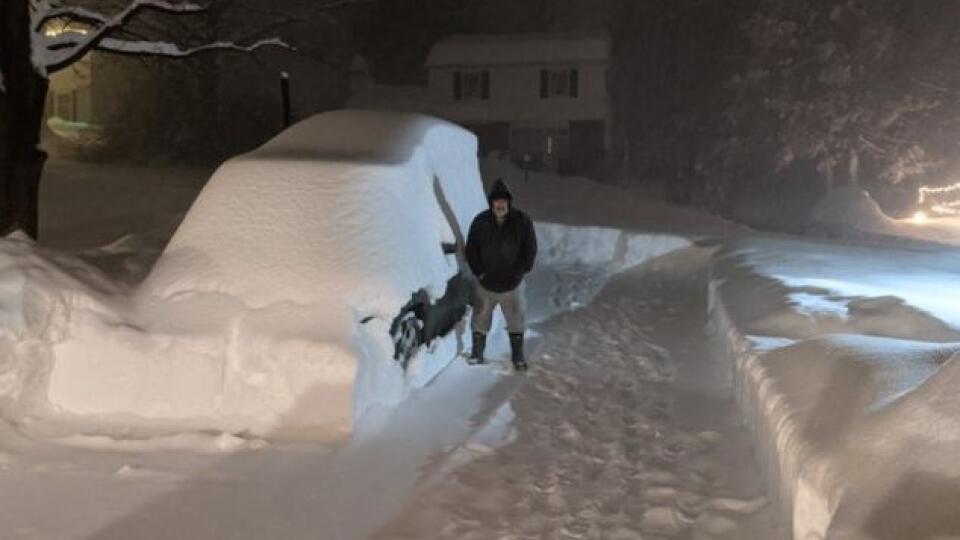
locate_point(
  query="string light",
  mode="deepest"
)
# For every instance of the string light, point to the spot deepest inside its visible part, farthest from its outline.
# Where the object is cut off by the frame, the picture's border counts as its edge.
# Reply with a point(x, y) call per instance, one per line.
point(946, 208)
point(924, 190)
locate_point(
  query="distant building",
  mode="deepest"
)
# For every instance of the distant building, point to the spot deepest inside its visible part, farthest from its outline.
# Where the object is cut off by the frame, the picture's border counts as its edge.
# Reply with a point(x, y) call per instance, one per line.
point(542, 96)
point(70, 97)
point(205, 107)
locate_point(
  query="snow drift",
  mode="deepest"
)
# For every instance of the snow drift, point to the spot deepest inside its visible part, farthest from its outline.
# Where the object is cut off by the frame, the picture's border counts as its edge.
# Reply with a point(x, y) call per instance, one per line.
point(270, 308)
point(848, 209)
point(845, 424)
point(852, 213)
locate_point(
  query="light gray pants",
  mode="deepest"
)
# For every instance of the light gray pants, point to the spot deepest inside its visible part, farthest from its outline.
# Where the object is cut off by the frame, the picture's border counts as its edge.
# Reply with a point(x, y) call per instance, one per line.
point(512, 303)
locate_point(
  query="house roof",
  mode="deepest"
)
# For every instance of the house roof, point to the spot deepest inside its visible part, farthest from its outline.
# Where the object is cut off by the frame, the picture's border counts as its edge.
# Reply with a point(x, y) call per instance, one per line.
point(493, 49)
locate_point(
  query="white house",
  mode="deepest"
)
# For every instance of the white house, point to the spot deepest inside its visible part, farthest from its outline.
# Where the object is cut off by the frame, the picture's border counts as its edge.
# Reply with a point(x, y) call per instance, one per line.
point(541, 96)
point(537, 95)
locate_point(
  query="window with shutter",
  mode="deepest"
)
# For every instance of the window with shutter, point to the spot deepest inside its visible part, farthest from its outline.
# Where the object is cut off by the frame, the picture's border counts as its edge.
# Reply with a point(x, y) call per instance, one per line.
point(559, 83)
point(457, 85)
point(472, 85)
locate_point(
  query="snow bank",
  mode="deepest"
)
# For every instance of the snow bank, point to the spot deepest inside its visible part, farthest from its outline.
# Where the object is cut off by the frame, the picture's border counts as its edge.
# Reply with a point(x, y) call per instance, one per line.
point(851, 213)
point(841, 421)
point(581, 201)
point(614, 249)
point(270, 308)
point(848, 209)
point(849, 283)
point(574, 263)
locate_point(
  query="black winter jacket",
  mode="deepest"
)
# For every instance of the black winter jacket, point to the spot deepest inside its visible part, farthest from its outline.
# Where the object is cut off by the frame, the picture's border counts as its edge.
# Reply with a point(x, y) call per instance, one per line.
point(500, 255)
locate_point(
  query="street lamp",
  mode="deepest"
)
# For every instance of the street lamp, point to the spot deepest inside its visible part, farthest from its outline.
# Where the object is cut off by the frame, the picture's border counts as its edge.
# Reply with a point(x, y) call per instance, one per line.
point(285, 97)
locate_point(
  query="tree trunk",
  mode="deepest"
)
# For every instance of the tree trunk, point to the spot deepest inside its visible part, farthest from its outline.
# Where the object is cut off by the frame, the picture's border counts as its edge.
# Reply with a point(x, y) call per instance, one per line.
point(828, 180)
point(854, 172)
point(21, 113)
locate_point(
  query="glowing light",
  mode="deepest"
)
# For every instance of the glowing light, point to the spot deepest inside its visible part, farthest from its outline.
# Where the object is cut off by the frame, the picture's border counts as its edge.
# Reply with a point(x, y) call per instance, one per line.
point(58, 28)
point(920, 218)
point(941, 207)
point(947, 209)
point(924, 190)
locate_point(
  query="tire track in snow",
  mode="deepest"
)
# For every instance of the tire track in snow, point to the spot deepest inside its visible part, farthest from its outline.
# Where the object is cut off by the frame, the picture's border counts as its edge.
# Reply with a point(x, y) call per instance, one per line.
point(611, 431)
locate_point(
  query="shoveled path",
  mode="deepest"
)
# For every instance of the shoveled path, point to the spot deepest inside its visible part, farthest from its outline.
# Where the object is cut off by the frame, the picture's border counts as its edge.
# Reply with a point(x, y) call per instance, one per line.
point(624, 428)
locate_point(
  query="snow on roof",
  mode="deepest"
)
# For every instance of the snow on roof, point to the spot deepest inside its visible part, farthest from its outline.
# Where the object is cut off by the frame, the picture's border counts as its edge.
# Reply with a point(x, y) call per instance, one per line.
point(519, 49)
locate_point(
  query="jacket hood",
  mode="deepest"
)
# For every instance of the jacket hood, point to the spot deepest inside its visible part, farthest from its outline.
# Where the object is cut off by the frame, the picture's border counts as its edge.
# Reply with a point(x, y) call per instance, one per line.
point(499, 191)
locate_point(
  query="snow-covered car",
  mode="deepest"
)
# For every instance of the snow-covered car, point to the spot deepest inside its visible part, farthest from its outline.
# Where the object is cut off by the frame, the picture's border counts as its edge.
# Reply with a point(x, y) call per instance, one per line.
point(313, 280)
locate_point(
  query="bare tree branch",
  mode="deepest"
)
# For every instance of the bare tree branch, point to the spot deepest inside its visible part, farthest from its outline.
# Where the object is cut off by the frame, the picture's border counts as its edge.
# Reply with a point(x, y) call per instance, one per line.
point(172, 50)
point(90, 41)
point(77, 14)
point(65, 49)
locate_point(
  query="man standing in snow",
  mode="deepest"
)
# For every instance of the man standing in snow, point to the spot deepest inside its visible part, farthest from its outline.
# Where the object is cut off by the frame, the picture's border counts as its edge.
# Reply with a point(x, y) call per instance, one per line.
point(501, 248)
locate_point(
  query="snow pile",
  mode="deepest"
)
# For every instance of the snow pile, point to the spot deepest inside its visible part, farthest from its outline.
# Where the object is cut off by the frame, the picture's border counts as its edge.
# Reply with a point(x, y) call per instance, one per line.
point(574, 200)
point(271, 306)
point(850, 212)
point(830, 409)
point(614, 249)
point(574, 263)
point(858, 282)
point(848, 209)
point(41, 292)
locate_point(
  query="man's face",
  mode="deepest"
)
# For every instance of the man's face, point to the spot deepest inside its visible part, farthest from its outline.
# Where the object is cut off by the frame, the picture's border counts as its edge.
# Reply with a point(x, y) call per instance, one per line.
point(500, 208)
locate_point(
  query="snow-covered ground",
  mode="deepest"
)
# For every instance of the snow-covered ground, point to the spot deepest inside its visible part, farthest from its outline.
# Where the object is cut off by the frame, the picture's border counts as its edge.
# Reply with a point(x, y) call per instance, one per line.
point(652, 325)
point(851, 213)
point(845, 368)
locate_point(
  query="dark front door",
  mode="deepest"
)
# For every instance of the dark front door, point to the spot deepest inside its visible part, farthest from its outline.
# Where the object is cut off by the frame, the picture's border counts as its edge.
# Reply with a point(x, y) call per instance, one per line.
point(586, 146)
point(493, 136)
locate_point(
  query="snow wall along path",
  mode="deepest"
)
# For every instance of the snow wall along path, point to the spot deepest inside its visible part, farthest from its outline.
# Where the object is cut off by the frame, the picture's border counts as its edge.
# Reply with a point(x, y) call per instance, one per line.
point(855, 434)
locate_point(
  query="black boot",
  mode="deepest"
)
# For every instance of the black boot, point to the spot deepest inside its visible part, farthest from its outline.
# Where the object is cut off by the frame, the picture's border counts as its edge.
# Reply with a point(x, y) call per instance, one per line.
point(479, 343)
point(516, 352)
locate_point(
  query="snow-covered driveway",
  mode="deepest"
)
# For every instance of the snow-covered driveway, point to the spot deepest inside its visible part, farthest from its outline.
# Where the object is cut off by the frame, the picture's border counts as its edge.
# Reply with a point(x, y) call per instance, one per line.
point(625, 428)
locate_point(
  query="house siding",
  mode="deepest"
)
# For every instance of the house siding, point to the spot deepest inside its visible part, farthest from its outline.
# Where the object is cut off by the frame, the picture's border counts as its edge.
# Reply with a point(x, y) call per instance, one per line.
point(515, 96)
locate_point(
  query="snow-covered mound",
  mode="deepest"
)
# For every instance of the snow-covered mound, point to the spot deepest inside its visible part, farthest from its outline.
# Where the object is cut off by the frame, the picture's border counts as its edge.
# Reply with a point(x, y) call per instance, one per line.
point(852, 429)
point(849, 209)
point(270, 308)
point(844, 418)
point(573, 200)
point(850, 212)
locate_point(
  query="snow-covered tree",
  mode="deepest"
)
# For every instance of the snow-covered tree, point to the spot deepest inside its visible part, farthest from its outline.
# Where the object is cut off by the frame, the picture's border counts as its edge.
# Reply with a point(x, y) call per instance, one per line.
point(848, 83)
point(40, 37)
